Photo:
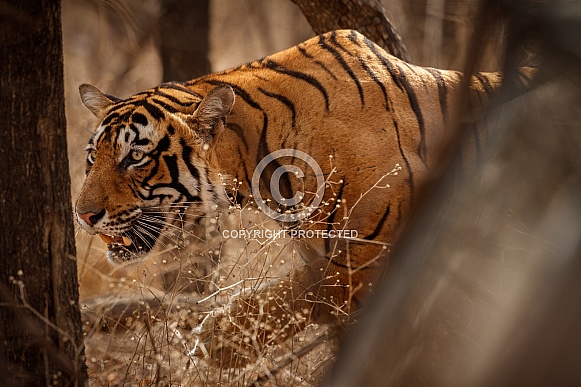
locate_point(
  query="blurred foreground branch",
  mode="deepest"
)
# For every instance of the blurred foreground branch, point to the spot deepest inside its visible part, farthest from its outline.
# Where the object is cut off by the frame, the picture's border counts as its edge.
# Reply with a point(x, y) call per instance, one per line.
point(485, 291)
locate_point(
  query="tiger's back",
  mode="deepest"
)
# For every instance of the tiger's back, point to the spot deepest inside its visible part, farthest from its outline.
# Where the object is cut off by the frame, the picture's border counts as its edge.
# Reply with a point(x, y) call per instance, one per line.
point(359, 112)
point(371, 122)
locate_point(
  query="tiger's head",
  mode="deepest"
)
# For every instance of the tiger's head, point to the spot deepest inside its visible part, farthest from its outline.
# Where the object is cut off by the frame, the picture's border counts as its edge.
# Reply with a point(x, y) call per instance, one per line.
point(148, 165)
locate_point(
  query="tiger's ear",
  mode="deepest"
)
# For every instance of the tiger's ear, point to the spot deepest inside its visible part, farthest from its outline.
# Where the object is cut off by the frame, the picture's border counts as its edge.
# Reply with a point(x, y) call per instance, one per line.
point(96, 101)
point(211, 111)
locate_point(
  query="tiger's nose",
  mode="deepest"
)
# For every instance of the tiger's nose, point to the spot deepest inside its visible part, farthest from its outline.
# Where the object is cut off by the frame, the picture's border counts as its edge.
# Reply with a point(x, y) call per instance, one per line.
point(91, 218)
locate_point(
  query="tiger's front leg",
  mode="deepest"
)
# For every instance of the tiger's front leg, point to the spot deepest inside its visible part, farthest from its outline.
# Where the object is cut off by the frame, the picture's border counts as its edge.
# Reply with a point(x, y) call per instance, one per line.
point(242, 331)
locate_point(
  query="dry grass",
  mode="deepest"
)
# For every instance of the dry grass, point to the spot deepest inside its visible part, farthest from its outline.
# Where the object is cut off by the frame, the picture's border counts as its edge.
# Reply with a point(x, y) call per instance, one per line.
point(156, 353)
point(140, 331)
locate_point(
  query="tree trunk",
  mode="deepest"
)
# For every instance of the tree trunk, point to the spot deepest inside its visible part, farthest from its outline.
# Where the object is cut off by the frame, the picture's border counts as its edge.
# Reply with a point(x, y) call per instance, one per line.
point(184, 35)
point(40, 326)
point(365, 16)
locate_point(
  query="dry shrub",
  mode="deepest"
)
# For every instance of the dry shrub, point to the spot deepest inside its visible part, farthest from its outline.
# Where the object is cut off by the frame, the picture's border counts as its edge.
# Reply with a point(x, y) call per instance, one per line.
point(140, 331)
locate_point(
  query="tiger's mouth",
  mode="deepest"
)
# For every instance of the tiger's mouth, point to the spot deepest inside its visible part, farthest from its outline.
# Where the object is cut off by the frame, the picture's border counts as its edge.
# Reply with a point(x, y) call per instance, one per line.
point(131, 244)
point(116, 240)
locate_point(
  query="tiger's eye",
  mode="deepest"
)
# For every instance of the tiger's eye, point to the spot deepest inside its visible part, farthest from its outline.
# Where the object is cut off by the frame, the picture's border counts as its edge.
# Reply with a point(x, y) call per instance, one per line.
point(137, 155)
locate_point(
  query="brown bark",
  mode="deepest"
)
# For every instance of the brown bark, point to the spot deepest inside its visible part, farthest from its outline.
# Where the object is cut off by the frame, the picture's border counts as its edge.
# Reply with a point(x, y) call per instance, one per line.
point(365, 16)
point(40, 326)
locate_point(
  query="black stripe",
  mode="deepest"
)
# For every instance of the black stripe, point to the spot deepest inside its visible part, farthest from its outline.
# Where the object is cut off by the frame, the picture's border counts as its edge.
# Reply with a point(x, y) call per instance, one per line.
point(174, 99)
point(246, 178)
point(136, 139)
point(152, 173)
point(109, 118)
point(385, 61)
point(263, 146)
point(285, 184)
point(353, 37)
point(407, 164)
point(272, 65)
point(171, 163)
point(162, 146)
point(264, 79)
point(177, 86)
point(116, 133)
point(164, 105)
point(187, 155)
point(414, 104)
point(180, 189)
point(137, 193)
point(379, 226)
point(485, 83)
point(376, 80)
point(143, 94)
point(105, 135)
point(139, 118)
point(399, 214)
point(442, 91)
point(287, 102)
point(317, 62)
point(153, 110)
point(239, 91)
point(142, 141)
point(342, 62)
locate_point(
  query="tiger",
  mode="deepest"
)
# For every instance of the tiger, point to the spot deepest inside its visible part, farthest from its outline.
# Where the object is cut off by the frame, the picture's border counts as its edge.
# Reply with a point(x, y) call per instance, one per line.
point(370, 122)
